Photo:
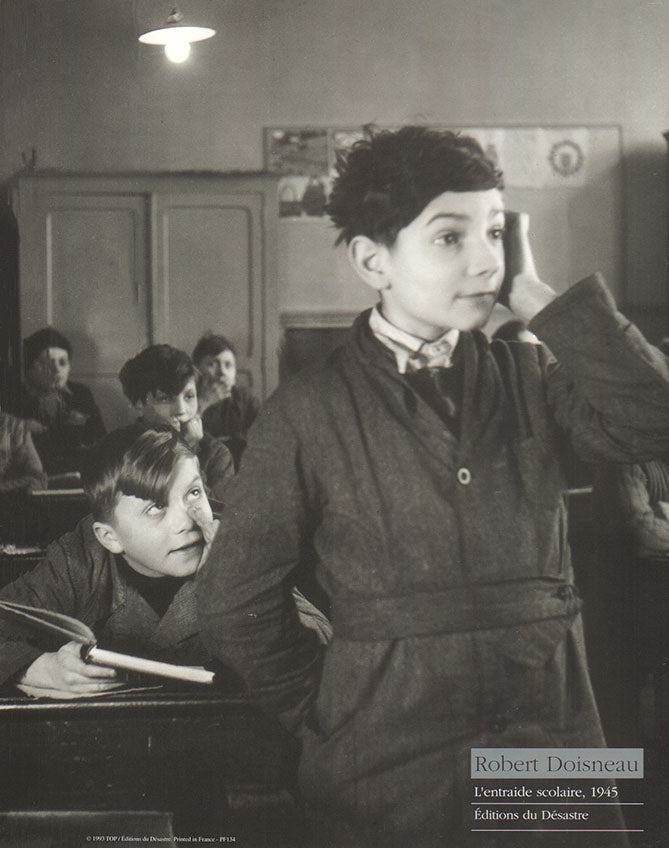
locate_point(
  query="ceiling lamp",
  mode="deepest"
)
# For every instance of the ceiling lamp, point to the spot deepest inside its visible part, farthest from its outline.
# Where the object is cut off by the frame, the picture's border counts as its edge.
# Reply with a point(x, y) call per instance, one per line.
point(176, 38)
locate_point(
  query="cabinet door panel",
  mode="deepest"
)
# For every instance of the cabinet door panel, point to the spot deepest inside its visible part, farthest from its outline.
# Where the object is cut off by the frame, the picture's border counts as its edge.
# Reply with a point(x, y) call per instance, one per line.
point(92, 286)
point(118, 262)
point(98, 280)
point(210, 275)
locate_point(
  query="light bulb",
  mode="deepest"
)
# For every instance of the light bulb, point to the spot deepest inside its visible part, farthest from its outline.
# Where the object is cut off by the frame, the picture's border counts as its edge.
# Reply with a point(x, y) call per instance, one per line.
point(177, 50)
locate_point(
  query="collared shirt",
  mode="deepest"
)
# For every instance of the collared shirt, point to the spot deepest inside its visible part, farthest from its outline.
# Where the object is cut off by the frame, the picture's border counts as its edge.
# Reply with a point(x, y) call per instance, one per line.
point(410, 351)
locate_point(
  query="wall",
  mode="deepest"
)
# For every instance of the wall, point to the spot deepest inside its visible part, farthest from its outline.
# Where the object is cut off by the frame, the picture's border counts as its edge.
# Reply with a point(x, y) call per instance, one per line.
point(79, 89)
point(494, 62)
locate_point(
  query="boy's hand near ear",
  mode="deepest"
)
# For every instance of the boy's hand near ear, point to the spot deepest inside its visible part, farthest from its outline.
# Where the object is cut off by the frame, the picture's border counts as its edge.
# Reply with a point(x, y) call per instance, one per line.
point(522, 290)
point(63, 674)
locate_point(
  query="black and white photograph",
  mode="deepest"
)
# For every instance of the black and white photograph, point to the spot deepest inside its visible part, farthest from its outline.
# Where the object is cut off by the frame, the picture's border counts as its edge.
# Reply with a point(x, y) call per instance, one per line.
point(334, 423)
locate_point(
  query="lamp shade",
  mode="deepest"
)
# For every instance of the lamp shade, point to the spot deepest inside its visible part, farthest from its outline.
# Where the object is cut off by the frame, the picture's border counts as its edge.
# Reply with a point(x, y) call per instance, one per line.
point(173, 32)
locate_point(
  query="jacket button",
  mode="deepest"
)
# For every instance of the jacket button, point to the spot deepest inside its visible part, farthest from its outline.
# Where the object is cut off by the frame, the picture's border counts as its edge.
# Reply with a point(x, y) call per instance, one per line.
point(464, 476)
point(565, 592)
point(498, 723)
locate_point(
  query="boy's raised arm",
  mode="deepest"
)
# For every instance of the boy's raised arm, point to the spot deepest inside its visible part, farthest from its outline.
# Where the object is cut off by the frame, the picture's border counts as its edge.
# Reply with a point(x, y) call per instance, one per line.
point(609, 388)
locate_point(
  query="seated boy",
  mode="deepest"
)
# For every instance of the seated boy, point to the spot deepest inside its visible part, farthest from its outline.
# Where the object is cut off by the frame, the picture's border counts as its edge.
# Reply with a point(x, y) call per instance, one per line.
point(160, 384)
point(20, 466)
point(638, 499)
point(65, 418)
point(126, 570)
point(227, 410)
point(422, 465)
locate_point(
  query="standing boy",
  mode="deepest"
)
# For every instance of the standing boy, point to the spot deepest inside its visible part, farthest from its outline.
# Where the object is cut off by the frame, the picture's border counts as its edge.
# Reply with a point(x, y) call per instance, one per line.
point(422, 466)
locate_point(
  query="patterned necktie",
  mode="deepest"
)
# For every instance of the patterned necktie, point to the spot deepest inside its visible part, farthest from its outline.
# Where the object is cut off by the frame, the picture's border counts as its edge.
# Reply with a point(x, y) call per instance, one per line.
point(432, 355)
point(431, 373)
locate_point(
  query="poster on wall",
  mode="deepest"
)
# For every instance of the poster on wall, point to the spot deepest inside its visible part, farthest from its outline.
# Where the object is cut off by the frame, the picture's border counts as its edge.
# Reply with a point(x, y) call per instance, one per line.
point(530, 157)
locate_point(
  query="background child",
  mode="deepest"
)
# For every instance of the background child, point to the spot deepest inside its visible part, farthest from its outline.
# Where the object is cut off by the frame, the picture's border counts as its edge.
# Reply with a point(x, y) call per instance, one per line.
point(20, 465)
point(160, 384)
point(66, 419)
point(126, 570)
point(628, 611)
point(423, 467)
point(227, 410)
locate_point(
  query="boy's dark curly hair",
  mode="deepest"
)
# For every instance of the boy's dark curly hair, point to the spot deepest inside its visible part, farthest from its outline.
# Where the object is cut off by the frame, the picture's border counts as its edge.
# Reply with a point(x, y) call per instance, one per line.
point(211, 344)
point(157, 368)
point(386, 179)
point(41, 340)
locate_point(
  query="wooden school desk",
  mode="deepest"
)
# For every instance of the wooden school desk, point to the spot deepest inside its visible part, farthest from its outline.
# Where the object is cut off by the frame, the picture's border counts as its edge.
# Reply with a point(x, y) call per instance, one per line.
point(29, 521)
point(40, 516)
point(218, 765)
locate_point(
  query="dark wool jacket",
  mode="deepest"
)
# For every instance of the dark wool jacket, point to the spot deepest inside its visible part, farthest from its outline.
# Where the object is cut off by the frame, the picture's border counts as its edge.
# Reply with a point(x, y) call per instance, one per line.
point(446, 562)
point(20, 465)
point(642, 493)
point(80, 578)
point(230, 419)
point(216, 463)
point(76, 425)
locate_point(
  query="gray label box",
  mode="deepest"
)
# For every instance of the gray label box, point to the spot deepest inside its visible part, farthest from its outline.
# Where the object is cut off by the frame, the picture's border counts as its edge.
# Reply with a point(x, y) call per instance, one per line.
point(543, 763)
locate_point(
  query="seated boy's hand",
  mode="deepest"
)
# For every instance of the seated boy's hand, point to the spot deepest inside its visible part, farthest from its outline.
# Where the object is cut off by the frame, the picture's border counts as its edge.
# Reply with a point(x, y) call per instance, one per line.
point(207, 524)
point(522, 290)
point(36, 429)
point(192, 431)
point(77, 418)
point(63, 674)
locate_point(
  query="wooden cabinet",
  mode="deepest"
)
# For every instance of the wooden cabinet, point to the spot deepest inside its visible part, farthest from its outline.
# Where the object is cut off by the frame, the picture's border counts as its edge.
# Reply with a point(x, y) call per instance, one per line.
point(119, 262)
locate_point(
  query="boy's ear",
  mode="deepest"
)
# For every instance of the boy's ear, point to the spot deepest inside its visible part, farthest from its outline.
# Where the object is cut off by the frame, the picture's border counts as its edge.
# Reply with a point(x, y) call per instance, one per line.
point(368, 258)
point(106, 536)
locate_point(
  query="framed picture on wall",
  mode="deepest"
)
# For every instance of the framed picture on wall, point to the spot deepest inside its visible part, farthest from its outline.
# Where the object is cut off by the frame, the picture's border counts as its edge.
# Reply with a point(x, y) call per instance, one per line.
point(531, 157)
point(302, 157)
